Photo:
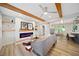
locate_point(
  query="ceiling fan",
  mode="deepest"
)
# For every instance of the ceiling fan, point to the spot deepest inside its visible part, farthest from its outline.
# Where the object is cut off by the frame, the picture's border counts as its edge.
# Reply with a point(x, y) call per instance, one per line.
point(45, 10)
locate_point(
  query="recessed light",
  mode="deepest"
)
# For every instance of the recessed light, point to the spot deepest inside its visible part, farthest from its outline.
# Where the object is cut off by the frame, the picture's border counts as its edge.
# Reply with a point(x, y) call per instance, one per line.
point(61, 21)
point(45, 13)
point(50, 16)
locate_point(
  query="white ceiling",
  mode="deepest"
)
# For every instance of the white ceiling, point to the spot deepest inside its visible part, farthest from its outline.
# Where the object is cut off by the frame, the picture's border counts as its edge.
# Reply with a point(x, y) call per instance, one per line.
point(34, 9)
point(12, 13)
point(69, 10)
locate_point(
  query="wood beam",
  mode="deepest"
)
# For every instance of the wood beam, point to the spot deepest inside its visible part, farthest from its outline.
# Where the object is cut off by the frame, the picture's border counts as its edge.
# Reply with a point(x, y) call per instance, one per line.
point(59, 9)
point(6, 5)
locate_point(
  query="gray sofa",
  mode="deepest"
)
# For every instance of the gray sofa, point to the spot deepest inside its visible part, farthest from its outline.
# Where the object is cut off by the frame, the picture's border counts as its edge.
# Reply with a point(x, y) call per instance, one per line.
point(42, 46)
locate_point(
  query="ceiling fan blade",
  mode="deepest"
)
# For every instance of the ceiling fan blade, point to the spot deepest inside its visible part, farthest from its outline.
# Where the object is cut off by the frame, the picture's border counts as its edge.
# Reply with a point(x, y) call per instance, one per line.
point(45, 9)
point(52, 12)
point(41, 7)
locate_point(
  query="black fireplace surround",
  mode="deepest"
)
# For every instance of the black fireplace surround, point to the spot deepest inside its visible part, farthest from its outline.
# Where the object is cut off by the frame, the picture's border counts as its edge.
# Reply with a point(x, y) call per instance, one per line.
point(23, 35)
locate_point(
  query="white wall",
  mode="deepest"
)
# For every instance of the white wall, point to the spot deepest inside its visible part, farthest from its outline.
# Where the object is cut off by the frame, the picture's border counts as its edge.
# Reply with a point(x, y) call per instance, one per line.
point(39, 32)
point(47, 30)
point(10, 36)
point(17, 27)
point(8, 30)
point(11, 31)
point(0, 30)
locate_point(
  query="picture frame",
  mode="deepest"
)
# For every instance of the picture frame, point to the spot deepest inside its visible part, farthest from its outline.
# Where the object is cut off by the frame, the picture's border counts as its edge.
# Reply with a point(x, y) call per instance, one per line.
point(30, 26)
point(24, 25)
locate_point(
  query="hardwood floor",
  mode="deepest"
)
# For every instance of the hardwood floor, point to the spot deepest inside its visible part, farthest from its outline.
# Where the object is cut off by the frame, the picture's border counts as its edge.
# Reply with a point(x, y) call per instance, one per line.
point(7, 50)
point(64, 47)
point(14, 50)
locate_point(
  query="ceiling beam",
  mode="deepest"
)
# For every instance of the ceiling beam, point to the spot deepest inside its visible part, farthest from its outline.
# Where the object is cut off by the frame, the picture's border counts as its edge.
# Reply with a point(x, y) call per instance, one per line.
point(59, 9)
point(6, 5)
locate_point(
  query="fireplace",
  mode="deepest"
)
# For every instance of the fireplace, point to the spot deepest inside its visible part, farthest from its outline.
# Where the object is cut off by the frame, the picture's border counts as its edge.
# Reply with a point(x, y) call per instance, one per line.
point(23, 35)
